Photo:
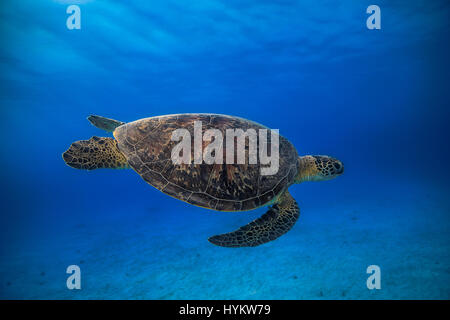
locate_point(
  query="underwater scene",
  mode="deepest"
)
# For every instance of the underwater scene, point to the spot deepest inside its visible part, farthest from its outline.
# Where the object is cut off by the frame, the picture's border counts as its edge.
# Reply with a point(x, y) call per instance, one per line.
point(364, 83)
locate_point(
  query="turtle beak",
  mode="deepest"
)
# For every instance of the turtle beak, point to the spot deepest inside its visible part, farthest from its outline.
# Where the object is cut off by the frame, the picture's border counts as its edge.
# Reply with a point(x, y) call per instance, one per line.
point(339, 167)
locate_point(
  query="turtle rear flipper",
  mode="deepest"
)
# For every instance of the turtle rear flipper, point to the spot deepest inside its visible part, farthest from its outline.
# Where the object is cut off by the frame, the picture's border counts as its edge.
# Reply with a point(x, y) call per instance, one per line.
point(95, 153)
point(103, 123)
point(278, 220)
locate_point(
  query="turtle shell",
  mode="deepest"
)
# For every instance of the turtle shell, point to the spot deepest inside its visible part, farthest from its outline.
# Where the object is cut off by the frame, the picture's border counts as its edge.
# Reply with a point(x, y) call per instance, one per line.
point(147, 145)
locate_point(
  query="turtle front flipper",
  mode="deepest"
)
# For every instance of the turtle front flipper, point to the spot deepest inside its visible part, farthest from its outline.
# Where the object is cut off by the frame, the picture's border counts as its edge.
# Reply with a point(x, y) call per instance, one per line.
point(95, 153)
point(103, 123)
point(278, 220)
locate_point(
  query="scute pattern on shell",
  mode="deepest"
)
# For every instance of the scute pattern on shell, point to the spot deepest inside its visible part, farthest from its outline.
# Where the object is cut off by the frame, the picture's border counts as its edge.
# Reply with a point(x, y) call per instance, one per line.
point(225, 187)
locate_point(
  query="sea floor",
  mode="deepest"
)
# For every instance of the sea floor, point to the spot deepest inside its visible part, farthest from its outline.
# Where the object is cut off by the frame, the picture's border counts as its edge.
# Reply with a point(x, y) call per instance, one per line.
point(158, 255)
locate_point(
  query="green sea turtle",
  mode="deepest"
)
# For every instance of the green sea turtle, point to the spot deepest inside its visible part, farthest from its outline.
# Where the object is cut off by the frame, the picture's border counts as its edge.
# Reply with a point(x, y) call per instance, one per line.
point(146, 146)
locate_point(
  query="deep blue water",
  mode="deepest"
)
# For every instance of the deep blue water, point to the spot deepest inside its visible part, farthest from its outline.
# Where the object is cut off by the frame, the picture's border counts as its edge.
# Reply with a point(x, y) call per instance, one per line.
point(376, 99)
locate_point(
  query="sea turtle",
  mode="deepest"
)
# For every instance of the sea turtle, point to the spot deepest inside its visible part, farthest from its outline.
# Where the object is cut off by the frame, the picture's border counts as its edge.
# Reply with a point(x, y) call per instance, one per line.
point(147, 145)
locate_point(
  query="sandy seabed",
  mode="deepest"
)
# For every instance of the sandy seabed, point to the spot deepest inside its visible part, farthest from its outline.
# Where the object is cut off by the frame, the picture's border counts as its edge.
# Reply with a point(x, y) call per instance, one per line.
point(158, 255)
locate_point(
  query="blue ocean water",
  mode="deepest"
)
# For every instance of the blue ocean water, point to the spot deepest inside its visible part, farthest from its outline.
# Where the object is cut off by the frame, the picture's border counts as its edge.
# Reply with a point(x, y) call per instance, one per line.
point(375, 99)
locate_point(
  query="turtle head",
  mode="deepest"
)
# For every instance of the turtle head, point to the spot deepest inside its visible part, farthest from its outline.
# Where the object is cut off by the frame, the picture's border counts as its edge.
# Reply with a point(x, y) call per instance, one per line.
point(318, 168)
